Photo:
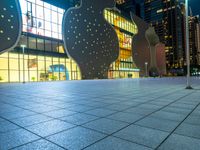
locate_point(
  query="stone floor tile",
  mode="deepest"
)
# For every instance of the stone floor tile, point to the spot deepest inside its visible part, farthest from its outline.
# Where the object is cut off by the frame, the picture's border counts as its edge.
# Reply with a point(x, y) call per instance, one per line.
point(76, 138)
point(78, 118)
point(140, 111)
point(17, 114)
point(176, 110)
point(142, 135)
point(31, 120)
point(112, 143)
point(59, 113)
point(6, 126)
point(106, 126)
point(159, 124)
point(168, 116)
point(193, 119)
point(100, 112)
point(39, 145)
point(118, 107)
point(179, 142)
point(49, 127)
point(188, 130)
point(126, 117)
point(15, 138)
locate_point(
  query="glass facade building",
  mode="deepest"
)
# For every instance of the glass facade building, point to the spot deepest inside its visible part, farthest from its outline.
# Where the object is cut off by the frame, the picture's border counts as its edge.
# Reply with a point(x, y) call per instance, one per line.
point(40, 54)
point(124, 66)
point(44, 58)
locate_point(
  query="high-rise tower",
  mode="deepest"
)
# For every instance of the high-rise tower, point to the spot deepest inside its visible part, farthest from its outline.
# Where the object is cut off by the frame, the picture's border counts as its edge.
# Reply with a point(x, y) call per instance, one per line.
point(167, 18)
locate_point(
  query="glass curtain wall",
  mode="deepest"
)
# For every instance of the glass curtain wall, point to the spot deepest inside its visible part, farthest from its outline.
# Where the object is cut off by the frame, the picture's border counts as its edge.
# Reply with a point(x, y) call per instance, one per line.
point(15, 65)
point(124, 66)
point(41, 18)
point(44, 58)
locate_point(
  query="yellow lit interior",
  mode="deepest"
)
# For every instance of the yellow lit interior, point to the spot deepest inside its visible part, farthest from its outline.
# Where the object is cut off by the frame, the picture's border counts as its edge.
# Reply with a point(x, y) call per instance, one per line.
point(121, 70)
point(36, 68)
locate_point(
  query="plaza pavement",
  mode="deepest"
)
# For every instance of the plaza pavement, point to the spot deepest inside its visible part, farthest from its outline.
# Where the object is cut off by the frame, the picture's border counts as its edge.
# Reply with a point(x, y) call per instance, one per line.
point(127, 114)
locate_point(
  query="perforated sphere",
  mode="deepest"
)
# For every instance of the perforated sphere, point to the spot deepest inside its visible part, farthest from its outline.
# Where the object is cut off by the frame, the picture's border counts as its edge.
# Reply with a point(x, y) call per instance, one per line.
point(88, 37)
point(10, 24)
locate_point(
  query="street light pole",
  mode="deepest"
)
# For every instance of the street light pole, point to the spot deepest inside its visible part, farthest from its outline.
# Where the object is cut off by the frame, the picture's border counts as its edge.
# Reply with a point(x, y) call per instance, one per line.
point(146, 69)
point(23, 47)
point(187, 46)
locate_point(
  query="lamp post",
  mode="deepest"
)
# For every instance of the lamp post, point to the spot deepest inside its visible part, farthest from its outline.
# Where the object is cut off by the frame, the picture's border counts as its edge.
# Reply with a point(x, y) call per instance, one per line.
point(187, 46)
point(146, 69)
point(23, 47)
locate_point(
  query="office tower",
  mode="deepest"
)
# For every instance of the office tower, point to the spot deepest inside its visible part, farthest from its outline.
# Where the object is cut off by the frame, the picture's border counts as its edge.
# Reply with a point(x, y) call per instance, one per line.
point(168, 19)
point(194, 30)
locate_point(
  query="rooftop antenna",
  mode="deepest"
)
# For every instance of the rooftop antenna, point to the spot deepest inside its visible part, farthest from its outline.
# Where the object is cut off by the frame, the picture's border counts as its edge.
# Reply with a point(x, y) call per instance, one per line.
point(191, 13)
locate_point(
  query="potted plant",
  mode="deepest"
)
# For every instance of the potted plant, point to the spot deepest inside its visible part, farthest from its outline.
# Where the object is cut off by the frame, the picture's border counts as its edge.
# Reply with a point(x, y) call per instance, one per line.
point(33, 79)
point(54, 78)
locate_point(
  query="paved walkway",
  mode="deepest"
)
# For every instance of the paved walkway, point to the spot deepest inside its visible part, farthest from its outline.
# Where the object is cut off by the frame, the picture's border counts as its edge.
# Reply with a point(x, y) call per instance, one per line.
point(139, 114)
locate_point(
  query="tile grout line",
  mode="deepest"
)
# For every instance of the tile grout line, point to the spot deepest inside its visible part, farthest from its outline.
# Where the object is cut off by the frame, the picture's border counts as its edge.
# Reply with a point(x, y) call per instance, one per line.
point(135, 122)
point(66, 129)
point(177, 126)
point(40, 137)
point(79, 112)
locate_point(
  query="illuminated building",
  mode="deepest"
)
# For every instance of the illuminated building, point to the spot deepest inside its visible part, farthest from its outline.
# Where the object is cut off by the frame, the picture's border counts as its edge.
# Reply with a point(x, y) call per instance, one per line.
point(194, 42)
point(194, 30)
point(125, 29)
point(167, 18)
point(127, 6)
point(44, 56)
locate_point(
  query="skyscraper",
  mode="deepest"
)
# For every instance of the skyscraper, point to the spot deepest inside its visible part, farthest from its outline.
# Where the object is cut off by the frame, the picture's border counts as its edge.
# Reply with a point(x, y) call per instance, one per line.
point(194, 28)
point(127, 6)
point(167, 18)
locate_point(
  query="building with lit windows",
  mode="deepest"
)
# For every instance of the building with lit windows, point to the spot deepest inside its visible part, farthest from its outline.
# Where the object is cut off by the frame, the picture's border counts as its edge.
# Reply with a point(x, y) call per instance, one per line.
point(194, 42)
point(40, 54)
point(194, 30)
point(167, 18)
point(124, 66)
point(44, 58)
point(127, 6)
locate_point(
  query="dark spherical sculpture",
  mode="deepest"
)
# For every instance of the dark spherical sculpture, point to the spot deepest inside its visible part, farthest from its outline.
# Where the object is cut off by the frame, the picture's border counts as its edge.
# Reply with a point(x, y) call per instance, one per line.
point(89, 39)
point(10, 24)
point(140, 46)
